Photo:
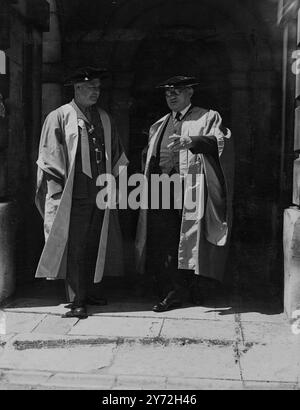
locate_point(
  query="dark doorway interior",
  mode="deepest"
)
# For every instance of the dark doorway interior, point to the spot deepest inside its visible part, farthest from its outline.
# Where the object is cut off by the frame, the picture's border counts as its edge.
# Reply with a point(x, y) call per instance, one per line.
point(235, 51)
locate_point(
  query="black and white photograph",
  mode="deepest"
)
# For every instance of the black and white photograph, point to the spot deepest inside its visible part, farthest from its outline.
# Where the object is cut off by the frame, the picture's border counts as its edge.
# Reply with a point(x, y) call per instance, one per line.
point(149, 198)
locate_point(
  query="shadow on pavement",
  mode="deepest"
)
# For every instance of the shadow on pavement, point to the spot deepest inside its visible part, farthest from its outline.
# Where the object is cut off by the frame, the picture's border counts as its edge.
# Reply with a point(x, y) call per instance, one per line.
point(133, 296)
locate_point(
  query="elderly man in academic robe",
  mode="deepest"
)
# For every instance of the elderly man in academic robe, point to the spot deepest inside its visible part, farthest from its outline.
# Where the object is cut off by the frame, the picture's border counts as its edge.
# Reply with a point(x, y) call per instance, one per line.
point(179, 245)
point(79, 143)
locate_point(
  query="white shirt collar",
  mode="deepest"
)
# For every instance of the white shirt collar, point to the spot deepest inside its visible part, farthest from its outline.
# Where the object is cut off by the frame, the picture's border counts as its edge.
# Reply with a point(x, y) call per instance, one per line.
point(183, 112)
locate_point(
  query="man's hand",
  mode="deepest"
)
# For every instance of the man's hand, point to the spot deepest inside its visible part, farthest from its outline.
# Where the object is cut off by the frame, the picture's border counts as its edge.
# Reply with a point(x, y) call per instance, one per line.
point(179, 143)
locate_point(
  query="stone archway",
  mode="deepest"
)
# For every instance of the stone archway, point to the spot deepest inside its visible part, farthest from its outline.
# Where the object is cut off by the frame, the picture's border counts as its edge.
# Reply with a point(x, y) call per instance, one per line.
point(241, 69)
point(240, 72)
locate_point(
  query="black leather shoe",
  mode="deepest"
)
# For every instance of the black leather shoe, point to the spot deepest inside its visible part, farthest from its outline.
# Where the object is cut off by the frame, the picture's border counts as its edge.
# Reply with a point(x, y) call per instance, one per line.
point(79, 312)
point(96, 301)
point(166, 305)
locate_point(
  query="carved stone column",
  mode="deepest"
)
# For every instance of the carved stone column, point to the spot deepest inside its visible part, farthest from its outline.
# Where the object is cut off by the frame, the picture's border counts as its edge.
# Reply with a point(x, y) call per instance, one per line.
point(291, 38)
point(52, 67)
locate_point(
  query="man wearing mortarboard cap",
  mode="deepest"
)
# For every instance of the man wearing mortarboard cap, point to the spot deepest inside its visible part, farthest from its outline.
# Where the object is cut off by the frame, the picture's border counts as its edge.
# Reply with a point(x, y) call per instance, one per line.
point(181, 244)
point(79, 142)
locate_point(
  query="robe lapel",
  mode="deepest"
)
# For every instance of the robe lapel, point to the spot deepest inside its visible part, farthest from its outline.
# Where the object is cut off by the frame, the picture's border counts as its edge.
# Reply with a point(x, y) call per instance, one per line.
point(154, 141)
point(105, 226)
point(50, 266)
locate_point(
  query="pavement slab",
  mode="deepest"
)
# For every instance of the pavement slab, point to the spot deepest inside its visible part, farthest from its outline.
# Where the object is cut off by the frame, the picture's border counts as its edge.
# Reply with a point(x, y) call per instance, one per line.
point(73, 359)
point(199, 330)
point(33, 306)
point(255, 385)
point(175, 360)
point(145, 311)
point(55, 325)
point(264, 318)
point(118, 327)
point(28, 378)
point(48, 353)
point(22, 322)
point(5, 339)
point(140, 382)
point(268, 332)
point(274, 362)
point(82, 381)
point(126, 346)
point(203, 384)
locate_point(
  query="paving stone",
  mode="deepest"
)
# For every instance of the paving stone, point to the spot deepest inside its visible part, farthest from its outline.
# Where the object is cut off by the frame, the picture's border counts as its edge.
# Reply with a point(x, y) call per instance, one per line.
point(82, 381)
point(55, 325)
point(5, 339)
point(225, 314)
point(145, 310)
point(140, 382)
point(270, 386)
point(263, 318)
point(118, 327)
point(139, 310)
point(203, 384)
point(269, 356)
point(268, 332)
point(77, 358)
point(175, 361)
point(229, 314)
point(24, 378)
point(42, 306)
point(15, 387)
point(274, 362)
point(22, 322)
point(199, 329)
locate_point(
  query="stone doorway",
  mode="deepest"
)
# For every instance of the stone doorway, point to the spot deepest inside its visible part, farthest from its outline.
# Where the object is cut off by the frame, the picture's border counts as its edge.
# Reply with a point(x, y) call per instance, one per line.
point(235, 51)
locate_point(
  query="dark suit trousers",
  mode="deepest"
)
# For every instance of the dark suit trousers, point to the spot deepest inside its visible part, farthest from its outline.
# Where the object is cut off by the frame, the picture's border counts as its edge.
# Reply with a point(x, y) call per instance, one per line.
point(162, 256)
point(84, 235)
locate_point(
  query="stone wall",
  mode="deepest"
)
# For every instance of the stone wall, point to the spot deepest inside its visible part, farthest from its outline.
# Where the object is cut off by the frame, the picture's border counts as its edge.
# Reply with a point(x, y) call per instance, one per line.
point(4, 90)
point(24, 20)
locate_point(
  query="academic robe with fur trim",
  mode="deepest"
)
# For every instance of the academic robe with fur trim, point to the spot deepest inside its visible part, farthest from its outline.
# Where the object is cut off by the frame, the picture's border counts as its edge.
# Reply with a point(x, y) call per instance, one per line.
point(58, 147)
point(206, 231)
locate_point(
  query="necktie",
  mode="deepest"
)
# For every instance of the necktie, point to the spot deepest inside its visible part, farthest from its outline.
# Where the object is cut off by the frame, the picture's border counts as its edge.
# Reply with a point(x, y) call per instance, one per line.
point(85, 151)
point(85, 146)
point(177, 119)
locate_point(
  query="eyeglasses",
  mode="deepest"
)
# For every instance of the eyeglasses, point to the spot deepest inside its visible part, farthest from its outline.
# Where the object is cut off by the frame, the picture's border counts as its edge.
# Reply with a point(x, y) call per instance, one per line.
point(174, 91)
point(93, 87)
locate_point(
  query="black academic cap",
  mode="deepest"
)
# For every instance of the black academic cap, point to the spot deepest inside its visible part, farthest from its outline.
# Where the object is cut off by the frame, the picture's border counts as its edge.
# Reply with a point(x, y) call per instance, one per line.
point(179, 81)
point(85, 74)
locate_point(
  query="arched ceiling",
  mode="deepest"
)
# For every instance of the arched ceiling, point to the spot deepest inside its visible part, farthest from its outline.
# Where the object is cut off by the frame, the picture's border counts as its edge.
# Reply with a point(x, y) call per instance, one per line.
point(88, 15)
point(118, 26)
point(85, 14)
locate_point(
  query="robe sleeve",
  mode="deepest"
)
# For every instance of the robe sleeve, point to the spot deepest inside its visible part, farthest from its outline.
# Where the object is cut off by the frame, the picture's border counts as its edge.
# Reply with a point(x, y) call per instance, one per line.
point(205, 145)
point(51, 161)
point(215, 127)
point(144, 158)
point(51, 153)
point(216, 215)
